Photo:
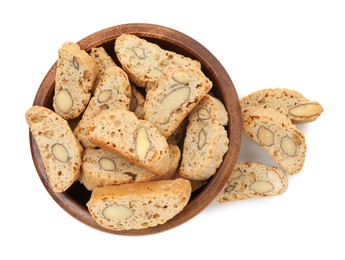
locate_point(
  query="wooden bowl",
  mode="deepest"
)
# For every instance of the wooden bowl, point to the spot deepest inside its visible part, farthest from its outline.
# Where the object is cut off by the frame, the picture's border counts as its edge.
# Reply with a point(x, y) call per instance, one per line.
point(75, 198)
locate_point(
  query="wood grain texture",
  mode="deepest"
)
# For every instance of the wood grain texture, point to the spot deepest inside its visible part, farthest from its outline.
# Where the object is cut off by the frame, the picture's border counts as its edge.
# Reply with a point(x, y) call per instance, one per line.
point(74, 199)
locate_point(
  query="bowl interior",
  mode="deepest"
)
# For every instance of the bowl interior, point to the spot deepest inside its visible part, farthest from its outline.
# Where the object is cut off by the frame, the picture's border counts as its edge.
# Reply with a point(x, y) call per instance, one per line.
point(75, 198)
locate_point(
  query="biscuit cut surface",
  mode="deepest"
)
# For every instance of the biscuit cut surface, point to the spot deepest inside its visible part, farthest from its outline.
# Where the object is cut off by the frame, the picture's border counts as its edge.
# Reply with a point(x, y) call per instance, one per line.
point(289, 102)
point(101, 168)
point(145, 62)
point(135, 140)
point(76, 73)
point(206, 140)
point(138, 205)
point(137, 103)
point(112, 92)
point(59, 148)
point(275, 133)
point(174, 95)
point(253, 180)
point(102, 60)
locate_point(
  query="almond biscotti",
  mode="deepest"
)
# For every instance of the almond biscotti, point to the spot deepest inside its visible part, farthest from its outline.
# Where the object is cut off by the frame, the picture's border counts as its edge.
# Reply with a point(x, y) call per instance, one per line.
point(76, 73)
point(59, 148)
point(133, 139)
point(289, 102)
point(206, 140)
point(145, 62)
point(112, 92)
point(173, 96)
point(275, 133)
point(210, 110)
point(102, 60)
point(101, 168)
point(137, 103)
point(138, 205)
point(253, 180)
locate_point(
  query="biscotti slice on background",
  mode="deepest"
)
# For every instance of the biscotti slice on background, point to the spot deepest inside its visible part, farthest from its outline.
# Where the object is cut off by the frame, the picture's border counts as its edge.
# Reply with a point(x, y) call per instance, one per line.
point(289, 102)
point(252, 180)
point(76, 73)
point(102, 60)
point(137, 103)
point(133, 139)
point(59, 148)
point(206, 140)
point(112, 92)
point(275, 133)
point(145, 62)
point(173, 96)
point(138, 205)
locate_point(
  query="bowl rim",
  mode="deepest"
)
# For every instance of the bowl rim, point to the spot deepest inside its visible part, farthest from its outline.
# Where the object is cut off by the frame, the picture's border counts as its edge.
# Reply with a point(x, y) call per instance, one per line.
point(230, 99)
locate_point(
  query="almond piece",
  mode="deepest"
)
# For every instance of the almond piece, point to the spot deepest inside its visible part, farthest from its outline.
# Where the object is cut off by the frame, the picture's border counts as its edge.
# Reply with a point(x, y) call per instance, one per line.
point(180, 77)
point(201, 139)
point(265, 136)
point(139, 52)
point(175, 99)
point(75, 63)
point(261, 186)
point(63, 100)
point(104, 96)
point(289, 146)
point(142, 143)
point(306, 110)
point(60, 153)
point(203, 114)
point(107, 164)
point(117, 212)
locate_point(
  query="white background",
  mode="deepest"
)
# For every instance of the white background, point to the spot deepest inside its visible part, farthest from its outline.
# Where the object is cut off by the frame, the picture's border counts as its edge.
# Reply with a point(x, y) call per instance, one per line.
point(262, 44)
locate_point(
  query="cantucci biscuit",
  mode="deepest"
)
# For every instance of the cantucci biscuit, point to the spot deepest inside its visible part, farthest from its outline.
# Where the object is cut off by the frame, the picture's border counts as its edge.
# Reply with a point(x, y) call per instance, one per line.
point(133, 139)
point(210, 110)
point(76, 73)
point(275, 133)
point(102, 60)
point(101, 168)
point(145, 62)
point(59, 148)
point(137, 103)
point(173, 96)
point(138, 205)
point(289, 102)
point(252, 180)
point(112, 92)
point(206, 140)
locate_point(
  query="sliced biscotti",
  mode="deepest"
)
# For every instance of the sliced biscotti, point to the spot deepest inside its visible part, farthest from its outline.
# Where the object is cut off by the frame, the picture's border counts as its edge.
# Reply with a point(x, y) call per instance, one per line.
point(102, 60)
point(145, 62)
point(112, 92)
point(137, 103)
point(289, 102)
point(138, 205)
point(252, 180)
point(133, 139)
point(101, 168)
point(209, 110)
point(76, 73)
point(59, 148)
point(275, 133)
point(203, 150)
point(206, 140)
point(173, 96)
